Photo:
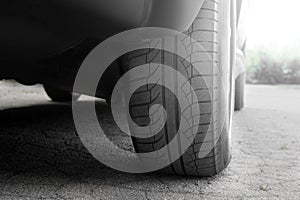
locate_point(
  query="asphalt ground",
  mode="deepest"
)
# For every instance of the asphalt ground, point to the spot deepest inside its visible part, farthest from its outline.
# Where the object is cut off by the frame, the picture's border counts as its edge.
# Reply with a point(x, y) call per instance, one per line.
point(41, 156)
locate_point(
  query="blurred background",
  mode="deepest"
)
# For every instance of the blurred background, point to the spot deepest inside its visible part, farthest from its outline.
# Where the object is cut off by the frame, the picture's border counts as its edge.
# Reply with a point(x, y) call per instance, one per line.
point(273, 55)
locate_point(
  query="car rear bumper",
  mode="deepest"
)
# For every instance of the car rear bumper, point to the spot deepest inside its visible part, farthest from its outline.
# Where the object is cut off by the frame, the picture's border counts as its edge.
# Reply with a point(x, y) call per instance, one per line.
point(102, 18)
point(35, 29)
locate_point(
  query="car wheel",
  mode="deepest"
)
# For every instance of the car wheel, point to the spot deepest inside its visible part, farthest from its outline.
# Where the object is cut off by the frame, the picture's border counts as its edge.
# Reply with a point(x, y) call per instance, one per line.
point(214, 125)
point(239, 92)
point(58, 95)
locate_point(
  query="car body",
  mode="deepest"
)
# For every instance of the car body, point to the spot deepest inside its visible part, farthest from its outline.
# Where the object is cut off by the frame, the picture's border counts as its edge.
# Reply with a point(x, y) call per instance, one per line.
point(33, 31)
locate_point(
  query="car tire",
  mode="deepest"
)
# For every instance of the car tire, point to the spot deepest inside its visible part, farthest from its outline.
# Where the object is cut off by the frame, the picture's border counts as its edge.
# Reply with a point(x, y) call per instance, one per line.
point(58, 95)
point(204, 30)
point(239, 92)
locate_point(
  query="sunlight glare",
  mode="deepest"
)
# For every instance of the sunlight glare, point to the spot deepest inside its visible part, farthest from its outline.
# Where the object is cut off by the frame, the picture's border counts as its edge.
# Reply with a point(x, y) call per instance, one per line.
point(274, 24)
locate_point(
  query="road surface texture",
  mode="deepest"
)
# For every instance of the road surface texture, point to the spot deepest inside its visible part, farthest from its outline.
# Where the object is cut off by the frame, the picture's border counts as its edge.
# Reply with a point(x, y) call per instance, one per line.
point(41, 157)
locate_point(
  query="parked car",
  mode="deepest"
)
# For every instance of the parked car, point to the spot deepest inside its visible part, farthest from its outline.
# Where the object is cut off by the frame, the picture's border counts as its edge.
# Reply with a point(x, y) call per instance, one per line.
point(46, 41)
